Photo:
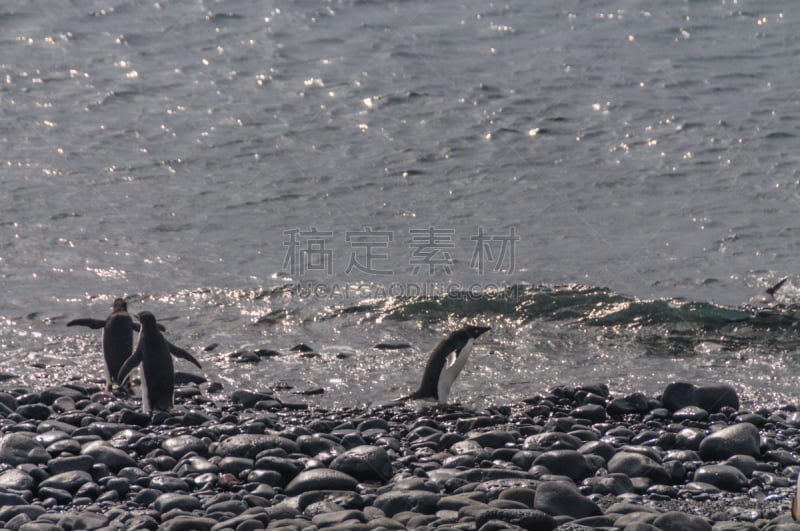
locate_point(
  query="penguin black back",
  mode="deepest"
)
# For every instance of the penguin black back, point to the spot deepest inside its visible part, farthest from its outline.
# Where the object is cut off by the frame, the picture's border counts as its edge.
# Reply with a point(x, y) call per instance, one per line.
point(118, 330)
point(117, 340)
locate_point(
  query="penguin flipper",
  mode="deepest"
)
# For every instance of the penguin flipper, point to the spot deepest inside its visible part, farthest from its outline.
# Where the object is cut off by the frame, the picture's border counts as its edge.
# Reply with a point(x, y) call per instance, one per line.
point(94, 324)
point(138, 327)
point(129, 365)
point(777, 286)
point(180, 353)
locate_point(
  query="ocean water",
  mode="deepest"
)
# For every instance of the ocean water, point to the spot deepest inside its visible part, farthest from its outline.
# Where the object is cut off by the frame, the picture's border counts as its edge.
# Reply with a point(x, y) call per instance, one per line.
point(606, 184)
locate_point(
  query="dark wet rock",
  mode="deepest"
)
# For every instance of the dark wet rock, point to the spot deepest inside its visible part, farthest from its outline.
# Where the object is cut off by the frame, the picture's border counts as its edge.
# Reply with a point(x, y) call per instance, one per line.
point(34, 411)
point(179, 446)
point(87, 520)
point(168, 483)
point(753, 418)
point(249, 399)
point(66, 464)
point(712, 397)
point(7, 512)
point(614, 484)
point(746, 464)
point(570, 463)
point(195, 464)
point(689, 439)
point(244, 356)
point(172, 500)
point(188, 523)
point(418, 501)
point(738, 439)
point(600, 448)
point(524, 518)
point(722, 476)
point(104, 430)
point(679, 521)
point(10, 499)
point(19, 448)
point(320, 479)
point(783, 457)
point(311, 391)
point(492, 439)
point(638, 465)
point(131, 417)
point(690, 413)
point(557, 498)
point(365, 463)
point(522, 495)
point(590, 412)
point(338, 517)
point(16, 480)
point(552, 441)
point(634, 403)
point(39, 526)
point(114, 458)
point(392, 346)
point(68, 481)
point(288, 468)
point(235, 465)
point(342, 499)
point(313, 445)
point(250, 445)
point(51, 394)
point(248, 520)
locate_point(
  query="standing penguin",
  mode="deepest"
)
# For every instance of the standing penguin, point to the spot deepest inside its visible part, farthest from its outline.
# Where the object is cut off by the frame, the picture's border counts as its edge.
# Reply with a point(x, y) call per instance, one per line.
point(445, 364)
point(117, 338)
point(155, 353)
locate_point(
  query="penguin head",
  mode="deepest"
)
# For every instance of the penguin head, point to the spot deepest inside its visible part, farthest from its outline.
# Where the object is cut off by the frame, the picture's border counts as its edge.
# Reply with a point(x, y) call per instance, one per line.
point(120, 305)
point(475, 331)
point(148, 321)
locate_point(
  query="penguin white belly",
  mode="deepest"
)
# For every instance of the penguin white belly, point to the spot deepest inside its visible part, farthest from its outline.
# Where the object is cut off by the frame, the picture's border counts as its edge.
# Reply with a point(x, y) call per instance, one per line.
point(109, 379)
point(145, 397)
point(452, 367)
point(796, 501)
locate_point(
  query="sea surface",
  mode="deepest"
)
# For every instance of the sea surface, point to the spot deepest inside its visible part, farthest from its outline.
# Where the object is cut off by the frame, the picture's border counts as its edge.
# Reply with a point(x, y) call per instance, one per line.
point(606, 184)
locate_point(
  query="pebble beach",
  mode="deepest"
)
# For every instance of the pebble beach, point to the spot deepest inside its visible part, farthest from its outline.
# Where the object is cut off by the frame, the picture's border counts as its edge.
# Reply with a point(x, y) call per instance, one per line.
point(572, 458)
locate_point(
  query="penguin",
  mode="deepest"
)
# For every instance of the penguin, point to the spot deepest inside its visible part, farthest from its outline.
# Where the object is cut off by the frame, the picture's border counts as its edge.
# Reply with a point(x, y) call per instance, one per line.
point(768, 297)
point(155, 353)
point(117, 338)
point(445, 364)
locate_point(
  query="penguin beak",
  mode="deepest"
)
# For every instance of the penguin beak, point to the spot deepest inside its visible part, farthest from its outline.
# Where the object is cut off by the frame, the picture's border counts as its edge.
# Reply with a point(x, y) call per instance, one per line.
point(479, 330)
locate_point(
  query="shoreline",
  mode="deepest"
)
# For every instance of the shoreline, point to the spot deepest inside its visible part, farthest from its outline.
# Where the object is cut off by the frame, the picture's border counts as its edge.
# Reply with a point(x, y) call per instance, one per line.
point(77, 457)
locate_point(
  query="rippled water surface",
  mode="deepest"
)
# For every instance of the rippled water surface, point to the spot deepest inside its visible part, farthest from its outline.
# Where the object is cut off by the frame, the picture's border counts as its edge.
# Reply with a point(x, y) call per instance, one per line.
point(605, 184)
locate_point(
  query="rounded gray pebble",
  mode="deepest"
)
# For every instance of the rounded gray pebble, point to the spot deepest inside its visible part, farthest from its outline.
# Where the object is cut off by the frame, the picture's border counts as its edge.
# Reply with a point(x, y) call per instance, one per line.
point(558, 498)
point(738, 439)
point(320, 479)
